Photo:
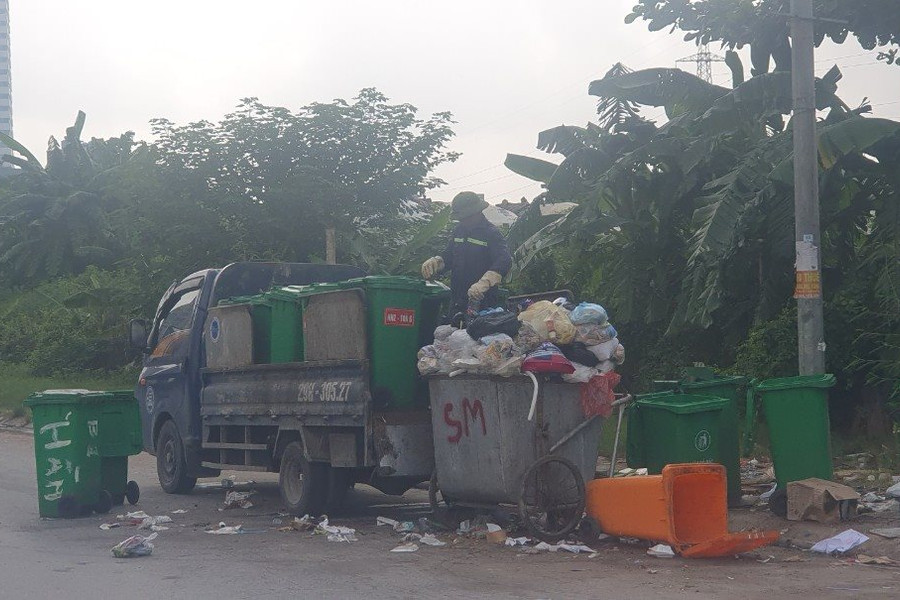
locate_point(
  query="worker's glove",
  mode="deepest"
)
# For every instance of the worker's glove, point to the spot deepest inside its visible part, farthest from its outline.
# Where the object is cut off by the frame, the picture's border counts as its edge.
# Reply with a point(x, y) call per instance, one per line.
point(481, 287)
point(432, 267)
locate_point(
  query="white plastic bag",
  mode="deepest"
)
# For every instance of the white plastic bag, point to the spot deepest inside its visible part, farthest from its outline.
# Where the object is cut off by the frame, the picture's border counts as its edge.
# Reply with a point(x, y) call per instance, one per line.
point(591, 334)
point(551, 322)
point(605, 350)
point(582, 374)
point(443, 332)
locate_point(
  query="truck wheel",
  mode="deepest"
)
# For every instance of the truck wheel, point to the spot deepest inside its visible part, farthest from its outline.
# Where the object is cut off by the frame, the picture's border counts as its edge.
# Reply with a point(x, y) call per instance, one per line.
point(171, 468)
point(303, 485)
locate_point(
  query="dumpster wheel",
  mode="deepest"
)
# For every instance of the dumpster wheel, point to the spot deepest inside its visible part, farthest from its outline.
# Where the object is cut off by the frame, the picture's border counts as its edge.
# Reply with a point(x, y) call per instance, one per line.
point(552, 500)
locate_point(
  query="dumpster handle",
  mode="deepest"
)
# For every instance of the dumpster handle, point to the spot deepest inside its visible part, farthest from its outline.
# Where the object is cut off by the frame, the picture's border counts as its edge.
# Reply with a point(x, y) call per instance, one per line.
point(534, 396)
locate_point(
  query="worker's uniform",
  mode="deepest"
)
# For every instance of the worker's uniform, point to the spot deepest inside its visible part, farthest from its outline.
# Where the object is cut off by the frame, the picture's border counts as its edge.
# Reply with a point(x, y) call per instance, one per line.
point(471, 252)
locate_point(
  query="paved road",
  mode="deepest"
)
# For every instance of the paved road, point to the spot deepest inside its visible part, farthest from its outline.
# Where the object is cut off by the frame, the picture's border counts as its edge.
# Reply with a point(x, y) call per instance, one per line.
point(71, 559)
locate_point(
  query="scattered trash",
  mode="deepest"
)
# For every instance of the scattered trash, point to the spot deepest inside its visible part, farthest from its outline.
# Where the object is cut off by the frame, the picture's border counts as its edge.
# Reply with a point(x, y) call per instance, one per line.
point(495, 534)
point(108, 526)
point(133, 518)
point(223, 529)
point(404, 527)
point(661, 551)
point(180, 511)
point(766, 495)
point(564, 546)
point(238, 499)
point(820, 500)
point(335, 533)
point(136, 545)
point(864, 559)
point(151, 522)
point(877, 507)
point(890, 533)
point(515, 542)
point(840, 543)
point(407, 547)
point(430, 540)
point(893, 491)
point(873, 497)
point(386, 521)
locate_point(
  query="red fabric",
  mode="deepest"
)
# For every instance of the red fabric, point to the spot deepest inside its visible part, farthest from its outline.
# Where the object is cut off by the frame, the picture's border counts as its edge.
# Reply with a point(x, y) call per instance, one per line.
point(597, 395)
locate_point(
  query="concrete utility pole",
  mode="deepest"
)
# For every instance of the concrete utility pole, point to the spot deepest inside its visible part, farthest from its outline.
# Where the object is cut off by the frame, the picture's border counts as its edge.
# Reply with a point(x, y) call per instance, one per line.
point(808, 288)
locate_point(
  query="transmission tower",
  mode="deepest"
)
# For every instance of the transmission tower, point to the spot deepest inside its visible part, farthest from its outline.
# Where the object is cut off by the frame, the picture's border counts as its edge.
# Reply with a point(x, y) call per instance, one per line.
point(704, 59)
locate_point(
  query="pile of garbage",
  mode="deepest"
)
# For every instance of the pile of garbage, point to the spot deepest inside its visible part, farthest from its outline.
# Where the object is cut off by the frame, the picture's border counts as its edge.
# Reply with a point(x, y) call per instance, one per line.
point(577, 342)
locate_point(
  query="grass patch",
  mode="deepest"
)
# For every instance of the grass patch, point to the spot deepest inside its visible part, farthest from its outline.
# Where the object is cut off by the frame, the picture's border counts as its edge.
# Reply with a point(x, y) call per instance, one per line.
point(17, 383)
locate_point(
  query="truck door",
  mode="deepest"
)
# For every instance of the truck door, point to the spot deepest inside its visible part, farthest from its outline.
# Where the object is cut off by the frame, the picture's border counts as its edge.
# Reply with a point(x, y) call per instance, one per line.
point(165, 383)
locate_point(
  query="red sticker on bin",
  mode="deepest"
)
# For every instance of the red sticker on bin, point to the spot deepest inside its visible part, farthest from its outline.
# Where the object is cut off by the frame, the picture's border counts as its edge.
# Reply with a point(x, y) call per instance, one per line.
point(399, 317)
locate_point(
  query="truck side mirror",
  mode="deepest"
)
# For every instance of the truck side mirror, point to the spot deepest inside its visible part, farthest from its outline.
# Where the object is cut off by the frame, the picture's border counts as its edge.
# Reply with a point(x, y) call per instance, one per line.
point(137, 334)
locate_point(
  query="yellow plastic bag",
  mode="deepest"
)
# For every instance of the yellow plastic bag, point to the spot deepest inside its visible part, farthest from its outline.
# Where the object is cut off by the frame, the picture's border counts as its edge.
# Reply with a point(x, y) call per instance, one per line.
point(551, 322)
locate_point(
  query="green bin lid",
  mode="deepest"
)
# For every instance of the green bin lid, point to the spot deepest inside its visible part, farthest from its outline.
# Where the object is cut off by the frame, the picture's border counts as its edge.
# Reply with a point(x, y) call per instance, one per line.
point(736, 380)
point(826, 380)
point(74, 396)
point(683, 404)
point(255, 299)
point(388, 282)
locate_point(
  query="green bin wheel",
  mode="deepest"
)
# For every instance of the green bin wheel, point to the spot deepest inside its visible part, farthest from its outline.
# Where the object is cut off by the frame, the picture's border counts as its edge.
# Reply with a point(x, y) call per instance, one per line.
point(778, 503)
point(68, 507)
point(104, 502)
point(552, 500)
point(132, 492)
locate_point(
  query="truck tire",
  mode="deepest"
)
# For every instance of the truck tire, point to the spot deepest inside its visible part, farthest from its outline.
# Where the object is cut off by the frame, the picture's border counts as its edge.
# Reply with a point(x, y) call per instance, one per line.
point(303, 484)
point(171, 468)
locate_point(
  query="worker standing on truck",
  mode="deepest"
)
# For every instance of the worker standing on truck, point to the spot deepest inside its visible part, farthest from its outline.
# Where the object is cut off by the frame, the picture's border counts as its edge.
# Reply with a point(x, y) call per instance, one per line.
point(477, 255)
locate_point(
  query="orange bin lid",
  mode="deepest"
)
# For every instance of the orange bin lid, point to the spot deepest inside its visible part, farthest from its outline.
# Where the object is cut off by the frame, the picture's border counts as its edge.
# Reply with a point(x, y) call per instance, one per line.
point(731, 544)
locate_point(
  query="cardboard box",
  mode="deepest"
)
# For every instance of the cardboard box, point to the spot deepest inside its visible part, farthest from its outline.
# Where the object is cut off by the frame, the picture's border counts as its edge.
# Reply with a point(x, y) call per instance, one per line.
point(820, 500)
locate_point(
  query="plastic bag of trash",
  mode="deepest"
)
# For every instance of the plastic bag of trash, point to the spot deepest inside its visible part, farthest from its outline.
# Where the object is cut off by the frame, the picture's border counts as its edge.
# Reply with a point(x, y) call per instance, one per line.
point(578, 353)
point(591, 334)
point(461, 344)
point(597, 395)
point(428, 360)
point(547, 359)
point(136, 545)
point(605, 366)
point(499, 349)
point(618, 355)
point(528, 339)
point(497, 322)
point(551, 322)
point(443, 332)
point(587, 312)
point(582, 374)
point(605, 350)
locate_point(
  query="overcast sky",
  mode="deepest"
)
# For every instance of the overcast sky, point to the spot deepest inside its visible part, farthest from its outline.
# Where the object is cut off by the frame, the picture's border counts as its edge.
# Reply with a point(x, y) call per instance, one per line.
point(506, 69)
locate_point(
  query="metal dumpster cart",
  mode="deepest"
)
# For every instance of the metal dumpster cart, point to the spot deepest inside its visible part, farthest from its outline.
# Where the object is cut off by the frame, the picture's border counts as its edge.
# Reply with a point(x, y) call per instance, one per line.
point(488, 453)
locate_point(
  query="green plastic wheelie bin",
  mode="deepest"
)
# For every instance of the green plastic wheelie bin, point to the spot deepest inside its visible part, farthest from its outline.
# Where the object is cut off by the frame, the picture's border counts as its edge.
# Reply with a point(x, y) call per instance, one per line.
point(669, 427)
point(796, 412)
point(82, 441)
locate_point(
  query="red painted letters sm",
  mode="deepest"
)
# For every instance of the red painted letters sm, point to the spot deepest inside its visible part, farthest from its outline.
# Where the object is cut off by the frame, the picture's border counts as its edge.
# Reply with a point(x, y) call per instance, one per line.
point(472, 412)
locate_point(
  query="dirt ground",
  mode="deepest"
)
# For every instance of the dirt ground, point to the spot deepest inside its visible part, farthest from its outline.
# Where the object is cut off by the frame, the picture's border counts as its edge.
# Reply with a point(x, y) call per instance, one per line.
point(41, 558)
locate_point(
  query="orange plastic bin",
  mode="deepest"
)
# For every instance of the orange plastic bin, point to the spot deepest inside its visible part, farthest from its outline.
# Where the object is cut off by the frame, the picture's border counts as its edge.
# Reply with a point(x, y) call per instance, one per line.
point(685, 507)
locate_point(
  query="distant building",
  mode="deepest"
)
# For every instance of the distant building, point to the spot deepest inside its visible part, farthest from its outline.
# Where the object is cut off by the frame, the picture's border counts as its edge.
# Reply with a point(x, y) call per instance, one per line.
point(6, 116)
